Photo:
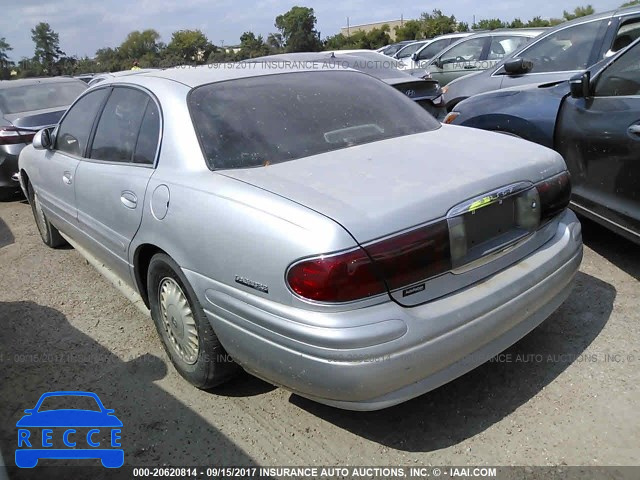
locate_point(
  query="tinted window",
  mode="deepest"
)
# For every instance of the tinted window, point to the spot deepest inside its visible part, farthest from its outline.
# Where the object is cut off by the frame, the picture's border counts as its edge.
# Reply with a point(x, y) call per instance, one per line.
point(39, 96)
point(467, 51)
point(623, 77)
point(433, 49)
point(73, 133)
point(502, 46)
point(118, 128)
point(565, 50)
point(275, 118)
point(148, 138)
point(626, 35)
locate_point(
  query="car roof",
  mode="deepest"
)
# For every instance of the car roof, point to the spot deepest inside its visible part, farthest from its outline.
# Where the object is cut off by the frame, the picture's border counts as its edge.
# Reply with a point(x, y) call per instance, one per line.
point(36, 81)
point(218, 72)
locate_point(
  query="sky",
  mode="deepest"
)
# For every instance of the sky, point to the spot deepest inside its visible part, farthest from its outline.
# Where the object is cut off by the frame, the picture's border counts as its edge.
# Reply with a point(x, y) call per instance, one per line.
point(87, 25)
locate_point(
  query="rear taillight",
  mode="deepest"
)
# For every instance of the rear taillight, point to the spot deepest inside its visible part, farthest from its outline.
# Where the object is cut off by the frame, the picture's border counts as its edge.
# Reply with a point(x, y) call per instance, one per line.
point(555, 194)
point(13, 136)
point(400, 260)
point(336, 278)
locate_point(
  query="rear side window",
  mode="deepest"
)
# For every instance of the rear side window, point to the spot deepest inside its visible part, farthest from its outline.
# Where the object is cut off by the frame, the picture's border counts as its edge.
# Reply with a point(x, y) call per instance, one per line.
point(433, 49)
point(627, 34)
point(622, 78)
point(467, 51)
point(269, 119)
point(566, 50)
point(73, 132)
point(148, 139)
point(117, 132)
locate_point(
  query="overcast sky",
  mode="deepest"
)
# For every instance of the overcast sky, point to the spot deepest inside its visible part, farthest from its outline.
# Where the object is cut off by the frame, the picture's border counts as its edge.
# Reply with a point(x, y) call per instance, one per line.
point(86, 25)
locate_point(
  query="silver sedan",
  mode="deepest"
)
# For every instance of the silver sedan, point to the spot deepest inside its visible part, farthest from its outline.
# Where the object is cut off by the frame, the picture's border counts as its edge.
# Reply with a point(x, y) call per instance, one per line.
point(356, 252)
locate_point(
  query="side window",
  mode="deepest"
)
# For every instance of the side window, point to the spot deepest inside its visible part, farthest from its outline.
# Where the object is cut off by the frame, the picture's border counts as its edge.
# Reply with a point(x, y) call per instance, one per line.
point(433, 49)
point(502, 46)
point(627, 34)
point(118, 127)
point(467, 51)
point(73, 132)
point(621, 78)
point(148, 139)
point(566, 50)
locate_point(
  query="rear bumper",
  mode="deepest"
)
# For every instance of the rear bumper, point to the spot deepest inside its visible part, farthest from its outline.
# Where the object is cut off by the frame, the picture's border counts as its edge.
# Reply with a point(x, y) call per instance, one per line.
point(382, 355)
point(9, 182)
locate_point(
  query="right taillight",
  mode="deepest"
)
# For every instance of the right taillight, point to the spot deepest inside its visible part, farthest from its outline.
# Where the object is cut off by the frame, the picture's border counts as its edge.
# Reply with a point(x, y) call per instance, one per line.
point(13, 136)
point(555, 194)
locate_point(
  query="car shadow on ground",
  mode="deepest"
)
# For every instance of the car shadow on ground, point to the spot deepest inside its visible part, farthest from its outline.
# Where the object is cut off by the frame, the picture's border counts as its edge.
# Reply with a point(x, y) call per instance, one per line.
point(469, 405)
point(40, 351)
point(623, 253)
point(6, 235)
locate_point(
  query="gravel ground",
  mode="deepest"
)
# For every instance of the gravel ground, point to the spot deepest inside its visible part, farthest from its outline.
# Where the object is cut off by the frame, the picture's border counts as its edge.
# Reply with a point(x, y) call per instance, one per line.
point(567, 394)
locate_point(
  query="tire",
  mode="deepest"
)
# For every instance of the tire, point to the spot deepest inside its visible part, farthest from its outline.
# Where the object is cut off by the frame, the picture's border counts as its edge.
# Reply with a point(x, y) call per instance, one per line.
point(177, 313)
point(49, 234)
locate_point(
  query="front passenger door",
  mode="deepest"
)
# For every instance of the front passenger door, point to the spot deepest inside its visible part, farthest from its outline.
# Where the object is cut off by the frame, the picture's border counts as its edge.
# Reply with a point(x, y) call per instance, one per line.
point(111, 183)
point(460, 60)
point(600, 139)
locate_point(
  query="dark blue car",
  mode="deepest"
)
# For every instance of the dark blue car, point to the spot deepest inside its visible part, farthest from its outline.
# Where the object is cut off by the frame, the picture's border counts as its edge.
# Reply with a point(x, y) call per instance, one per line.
point(593, 120)
point(80, 430)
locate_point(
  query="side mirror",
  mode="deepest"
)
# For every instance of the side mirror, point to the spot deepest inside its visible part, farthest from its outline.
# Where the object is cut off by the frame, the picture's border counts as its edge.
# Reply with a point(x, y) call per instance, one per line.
point(42, 140)
point(580, 85)
point(518, 66)
point(438, 63)
point(414, 56)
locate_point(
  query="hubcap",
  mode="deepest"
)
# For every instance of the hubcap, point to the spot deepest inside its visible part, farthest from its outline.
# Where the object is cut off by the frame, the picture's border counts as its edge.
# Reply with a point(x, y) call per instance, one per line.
point(178, 321)
point(41, 220)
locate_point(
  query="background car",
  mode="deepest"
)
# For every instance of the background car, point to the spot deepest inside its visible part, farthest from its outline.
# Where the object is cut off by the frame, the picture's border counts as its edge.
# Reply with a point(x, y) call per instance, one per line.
point(303, 220)
point(475, 53)
point(593, 121)
point(27, 106)
point(101, 77)
point(410, 49)
point(555, 55)
point(426, 92)
point(430, 49)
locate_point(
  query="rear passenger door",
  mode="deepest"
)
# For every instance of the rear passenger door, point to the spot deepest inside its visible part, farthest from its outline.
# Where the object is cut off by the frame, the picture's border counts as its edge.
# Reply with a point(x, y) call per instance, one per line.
point(111, 183)
point(460, 60)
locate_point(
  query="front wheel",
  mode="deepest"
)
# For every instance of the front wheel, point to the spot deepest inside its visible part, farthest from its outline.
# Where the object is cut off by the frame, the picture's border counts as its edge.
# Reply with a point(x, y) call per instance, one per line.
point(187, 336)
point(49, 234)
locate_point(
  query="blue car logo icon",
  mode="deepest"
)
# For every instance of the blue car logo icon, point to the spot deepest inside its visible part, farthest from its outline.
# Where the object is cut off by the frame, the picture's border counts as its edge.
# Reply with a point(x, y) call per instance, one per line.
point(85, 433)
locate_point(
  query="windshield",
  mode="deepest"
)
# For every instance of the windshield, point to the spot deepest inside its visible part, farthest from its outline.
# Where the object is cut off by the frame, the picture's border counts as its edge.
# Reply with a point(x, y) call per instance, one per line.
point(40, 96)
point(410, 50)
point(69, 402)
point(270, 119)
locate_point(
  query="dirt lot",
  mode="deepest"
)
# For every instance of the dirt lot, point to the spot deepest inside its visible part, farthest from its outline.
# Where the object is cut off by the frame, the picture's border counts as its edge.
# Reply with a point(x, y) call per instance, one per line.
point(566, 394)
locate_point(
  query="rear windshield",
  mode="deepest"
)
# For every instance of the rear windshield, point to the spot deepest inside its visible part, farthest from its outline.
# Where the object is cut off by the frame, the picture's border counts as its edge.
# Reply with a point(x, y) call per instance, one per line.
point(40, 96)
point(270, 119)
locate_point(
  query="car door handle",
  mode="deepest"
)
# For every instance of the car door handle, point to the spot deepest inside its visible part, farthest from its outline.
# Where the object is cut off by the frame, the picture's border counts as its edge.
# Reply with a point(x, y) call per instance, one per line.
point(129, 199)
point(67, 178)
point(634, 129)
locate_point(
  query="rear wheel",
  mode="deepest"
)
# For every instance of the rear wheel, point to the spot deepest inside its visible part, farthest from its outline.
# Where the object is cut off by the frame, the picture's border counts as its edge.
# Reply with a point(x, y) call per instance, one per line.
point(49, 234)
point(187, 336)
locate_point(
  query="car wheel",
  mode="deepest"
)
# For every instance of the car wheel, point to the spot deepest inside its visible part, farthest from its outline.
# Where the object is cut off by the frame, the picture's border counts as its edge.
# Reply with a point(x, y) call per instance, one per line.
point(187, 336)
point(49, 234)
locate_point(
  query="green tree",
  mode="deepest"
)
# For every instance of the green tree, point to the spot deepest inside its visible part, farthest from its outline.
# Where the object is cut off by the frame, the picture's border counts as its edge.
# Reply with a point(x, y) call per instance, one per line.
point(190, 46)
point(297, 27)
point(141, 46)
point(489, 24)
point(462, 27)
point(410, 30)
point(252, 46)
point(5, 63)
point(630, 4)
point(578, 12)
point(47, 51)
point(436, 23)
point(108, 60)
point(275, 42)
point(517, 23)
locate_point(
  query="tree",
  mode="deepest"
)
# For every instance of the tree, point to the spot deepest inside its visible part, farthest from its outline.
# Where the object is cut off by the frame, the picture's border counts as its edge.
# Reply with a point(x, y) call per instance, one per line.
point(276, 42)
point(5, 63)
point(578, 12)
point(517, 23)
point(436, 23)
point(47, 51)
point(108, 60)
point(410, 30)
point(190, 46)
point(252, 46)
point(138, 46)
point(630, 4)
point(489, 24)
point(297, 27)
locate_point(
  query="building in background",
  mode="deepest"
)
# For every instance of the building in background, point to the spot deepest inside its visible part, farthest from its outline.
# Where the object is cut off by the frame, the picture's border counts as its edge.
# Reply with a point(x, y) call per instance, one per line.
point(367, 27)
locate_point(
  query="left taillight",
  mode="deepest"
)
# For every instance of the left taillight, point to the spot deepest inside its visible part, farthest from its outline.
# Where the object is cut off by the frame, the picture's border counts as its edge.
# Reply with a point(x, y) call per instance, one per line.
point(14, 136)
